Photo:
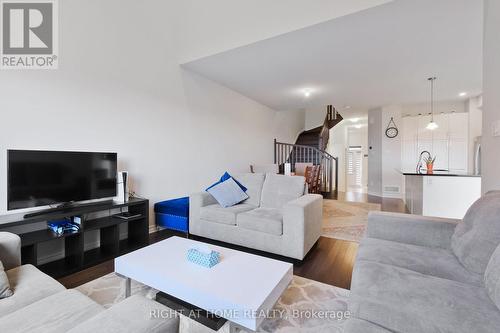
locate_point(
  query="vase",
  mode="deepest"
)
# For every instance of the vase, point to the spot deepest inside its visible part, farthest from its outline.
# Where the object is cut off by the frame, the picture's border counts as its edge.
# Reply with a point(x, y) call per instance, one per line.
point(430, 168)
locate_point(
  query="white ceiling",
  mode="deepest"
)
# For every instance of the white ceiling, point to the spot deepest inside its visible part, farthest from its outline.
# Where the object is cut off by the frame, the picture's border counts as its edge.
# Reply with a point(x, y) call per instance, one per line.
point(376, 57)
point(206, 28)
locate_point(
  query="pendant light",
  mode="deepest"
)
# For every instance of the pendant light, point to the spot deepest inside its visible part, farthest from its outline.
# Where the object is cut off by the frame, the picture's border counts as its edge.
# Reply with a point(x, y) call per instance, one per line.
point(432, 125)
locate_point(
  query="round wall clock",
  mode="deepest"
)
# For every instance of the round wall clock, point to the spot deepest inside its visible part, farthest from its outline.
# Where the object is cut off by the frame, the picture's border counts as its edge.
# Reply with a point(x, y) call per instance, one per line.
point(392, 130)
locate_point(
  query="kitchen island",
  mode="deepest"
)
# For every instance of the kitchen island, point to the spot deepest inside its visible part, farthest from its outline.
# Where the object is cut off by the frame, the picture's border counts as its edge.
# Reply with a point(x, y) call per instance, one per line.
point(441, 194)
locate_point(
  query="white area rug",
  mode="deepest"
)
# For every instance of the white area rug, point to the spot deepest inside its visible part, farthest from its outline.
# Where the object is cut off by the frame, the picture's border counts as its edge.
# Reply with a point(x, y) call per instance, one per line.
point(298, 308)
point(346, 220)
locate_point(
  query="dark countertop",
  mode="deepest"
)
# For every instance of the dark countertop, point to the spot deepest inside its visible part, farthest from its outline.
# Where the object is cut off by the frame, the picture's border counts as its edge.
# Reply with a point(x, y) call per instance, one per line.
point(440, 173)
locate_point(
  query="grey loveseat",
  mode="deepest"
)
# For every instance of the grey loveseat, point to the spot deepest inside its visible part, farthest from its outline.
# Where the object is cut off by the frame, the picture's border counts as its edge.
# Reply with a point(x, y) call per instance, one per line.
point(278, 217)
point(41, 304)
point(419, 274)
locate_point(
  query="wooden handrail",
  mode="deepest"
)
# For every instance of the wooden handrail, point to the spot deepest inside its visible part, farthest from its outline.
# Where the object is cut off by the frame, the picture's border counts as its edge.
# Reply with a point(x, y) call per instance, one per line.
point(304, 146)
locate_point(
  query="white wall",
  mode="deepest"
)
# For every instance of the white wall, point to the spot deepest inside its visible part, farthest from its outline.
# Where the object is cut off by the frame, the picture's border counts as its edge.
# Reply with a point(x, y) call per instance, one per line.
point(384, 163)
point(491, 97)
point(120, 88)
point(314, 118)
point(475, 126)
point(288, 125)
point(375, 153)
point(210, 27)
point(337, 147)
point(391, 155)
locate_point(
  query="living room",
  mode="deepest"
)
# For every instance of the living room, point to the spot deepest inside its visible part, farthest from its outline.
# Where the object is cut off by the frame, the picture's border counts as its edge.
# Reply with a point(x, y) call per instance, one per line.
point(119, 119)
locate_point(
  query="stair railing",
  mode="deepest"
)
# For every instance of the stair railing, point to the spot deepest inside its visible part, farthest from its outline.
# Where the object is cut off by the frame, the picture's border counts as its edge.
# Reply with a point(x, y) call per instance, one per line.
point(332, 118)
point(292, 153)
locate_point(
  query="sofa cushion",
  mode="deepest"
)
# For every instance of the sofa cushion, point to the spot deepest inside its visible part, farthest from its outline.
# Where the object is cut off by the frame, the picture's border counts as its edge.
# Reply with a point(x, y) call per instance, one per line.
point(29, 285)
point(5, 290)
point(279, 190)
point(57, 313)
point(253, 182)
point(228, 193)
point(268, 220)
point(10, 250)
point(401, 300)
point(225, 177)
point(354, 325)
point(478, 235)
point(135, 314)
point(218, 214)
point(492, 277)
point(430, 261)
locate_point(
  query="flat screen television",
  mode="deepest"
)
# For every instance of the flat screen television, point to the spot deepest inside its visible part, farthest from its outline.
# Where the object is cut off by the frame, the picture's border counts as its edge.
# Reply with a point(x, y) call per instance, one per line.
point(39, 178)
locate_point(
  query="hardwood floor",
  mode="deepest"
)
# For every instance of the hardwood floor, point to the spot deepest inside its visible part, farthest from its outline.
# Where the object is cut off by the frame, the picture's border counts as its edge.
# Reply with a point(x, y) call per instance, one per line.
point(388, 204)
point(330, 261)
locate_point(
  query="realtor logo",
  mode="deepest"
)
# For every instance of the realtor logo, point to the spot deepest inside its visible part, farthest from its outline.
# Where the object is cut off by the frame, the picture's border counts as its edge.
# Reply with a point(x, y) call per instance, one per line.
point(29, 34)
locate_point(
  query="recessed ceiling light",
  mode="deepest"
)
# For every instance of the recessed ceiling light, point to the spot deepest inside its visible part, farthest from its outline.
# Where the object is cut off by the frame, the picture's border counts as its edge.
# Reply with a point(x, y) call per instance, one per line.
point(307, 92)
point(347, 107)
point(358, 126)
point(462, 94)
point(354, 120)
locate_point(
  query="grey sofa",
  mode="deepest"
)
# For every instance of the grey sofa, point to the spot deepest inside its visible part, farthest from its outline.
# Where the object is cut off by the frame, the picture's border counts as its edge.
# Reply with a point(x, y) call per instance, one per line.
point(41, 304)
point(420, 274)
point(277, 218)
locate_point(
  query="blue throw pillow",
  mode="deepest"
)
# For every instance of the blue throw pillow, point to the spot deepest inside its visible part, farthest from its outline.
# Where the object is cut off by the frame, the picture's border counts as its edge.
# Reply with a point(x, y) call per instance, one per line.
point(228, 193)
point(225, 177)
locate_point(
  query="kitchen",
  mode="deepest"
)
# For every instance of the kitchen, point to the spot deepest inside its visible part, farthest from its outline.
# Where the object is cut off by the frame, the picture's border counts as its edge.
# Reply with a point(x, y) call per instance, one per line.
point(450, 182)
point(452, 141)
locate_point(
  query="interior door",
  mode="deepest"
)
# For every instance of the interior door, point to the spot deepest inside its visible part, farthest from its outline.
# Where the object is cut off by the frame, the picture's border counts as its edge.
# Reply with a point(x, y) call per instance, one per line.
point(354, 167)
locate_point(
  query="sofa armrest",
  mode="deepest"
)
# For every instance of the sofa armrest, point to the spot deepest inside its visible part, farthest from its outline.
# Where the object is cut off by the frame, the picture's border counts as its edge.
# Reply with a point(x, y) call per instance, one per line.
point(302, 220)
point(411, 229)
point(10, 250)
point(201, 199)
point(196, 202)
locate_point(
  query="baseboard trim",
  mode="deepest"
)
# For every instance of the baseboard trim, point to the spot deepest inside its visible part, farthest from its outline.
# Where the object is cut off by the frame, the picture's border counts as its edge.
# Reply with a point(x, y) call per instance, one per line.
point(375, 194)
point(392, 195)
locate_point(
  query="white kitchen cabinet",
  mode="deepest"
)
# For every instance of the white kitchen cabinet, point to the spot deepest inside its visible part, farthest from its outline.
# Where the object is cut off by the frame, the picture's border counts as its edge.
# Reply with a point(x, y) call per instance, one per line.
point(440, 151)
point(458, 125)
point(424, 145)
point(409, 155)
point(410, 129)
point(458, 155)
point(441, 133)
point(423, 132)
point(441, 196)
point(449, 142)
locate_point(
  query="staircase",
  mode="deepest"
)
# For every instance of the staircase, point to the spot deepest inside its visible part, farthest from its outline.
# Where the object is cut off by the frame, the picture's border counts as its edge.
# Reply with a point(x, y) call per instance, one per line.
point(310, 147)
point(318, 137)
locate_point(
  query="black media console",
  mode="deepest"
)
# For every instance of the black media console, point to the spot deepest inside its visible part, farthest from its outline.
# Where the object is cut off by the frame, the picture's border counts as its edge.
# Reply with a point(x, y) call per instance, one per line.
point(76, 258)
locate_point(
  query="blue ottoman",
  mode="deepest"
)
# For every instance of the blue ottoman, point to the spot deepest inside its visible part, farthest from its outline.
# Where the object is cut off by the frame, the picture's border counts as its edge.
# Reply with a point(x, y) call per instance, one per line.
point(173, 214)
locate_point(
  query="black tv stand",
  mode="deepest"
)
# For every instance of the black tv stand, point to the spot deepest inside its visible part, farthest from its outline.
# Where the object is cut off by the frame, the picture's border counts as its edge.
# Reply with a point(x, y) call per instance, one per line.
point(67, 207)
point(101, 218)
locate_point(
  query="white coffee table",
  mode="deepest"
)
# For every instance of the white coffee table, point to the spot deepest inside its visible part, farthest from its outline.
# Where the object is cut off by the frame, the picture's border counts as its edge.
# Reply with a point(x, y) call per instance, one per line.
point(240, 288)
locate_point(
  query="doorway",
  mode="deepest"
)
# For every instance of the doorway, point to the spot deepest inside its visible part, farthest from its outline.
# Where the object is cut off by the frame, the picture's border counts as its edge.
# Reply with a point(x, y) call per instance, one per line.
point(356, 159)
